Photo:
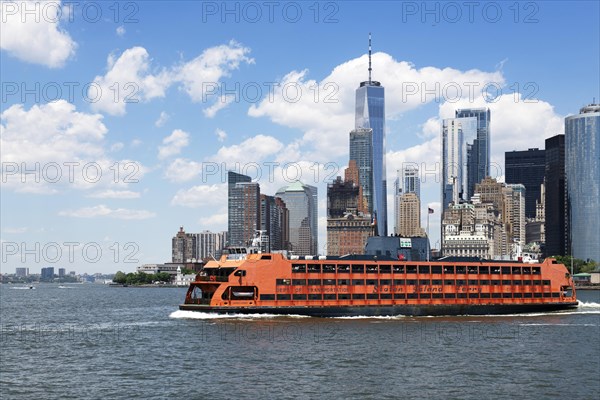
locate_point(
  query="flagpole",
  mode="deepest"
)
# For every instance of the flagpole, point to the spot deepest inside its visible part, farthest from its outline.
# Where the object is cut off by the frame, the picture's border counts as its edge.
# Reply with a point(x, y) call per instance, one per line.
point(428, 233)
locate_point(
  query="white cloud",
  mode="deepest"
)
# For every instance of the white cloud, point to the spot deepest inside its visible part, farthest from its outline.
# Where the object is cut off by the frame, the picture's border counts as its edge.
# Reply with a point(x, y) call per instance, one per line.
point(162, 119)
point(215, 221)
point(19, 230)
point(254, 149)
point(173, 144)
point(201, 196)
point(35, 37)
point(130, 78)
point(115, 194)
point(104, 211)
point(121, 31)
point(183, 170)
point(116, 147)
point(221, 135)
point(220, 103)
point(136, 142)
point(326, 115)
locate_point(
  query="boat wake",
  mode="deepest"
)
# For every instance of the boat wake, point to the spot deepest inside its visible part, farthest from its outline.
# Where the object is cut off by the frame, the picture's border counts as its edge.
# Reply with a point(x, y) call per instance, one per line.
point(22, 287)
point(183, 314)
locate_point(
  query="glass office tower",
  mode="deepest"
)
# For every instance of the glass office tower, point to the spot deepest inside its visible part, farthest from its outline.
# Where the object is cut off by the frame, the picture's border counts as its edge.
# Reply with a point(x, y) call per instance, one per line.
point(582, 168)
point(480, 155)
point(301, 202)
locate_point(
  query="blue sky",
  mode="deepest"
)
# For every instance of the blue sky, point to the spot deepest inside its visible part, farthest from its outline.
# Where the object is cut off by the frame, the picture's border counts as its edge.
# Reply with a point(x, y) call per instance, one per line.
point(172, 57)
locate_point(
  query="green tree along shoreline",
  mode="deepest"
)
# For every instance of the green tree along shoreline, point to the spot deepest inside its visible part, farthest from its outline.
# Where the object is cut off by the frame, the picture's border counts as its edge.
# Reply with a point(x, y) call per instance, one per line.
point(579, 266)
point(140, 278)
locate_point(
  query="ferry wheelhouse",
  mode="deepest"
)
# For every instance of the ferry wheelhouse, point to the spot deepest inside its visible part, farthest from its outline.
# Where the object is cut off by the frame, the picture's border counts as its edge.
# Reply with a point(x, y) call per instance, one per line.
point(253, 282)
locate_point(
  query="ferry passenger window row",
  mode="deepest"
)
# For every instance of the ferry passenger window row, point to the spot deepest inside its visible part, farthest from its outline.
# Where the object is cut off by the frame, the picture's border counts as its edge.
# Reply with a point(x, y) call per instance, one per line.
point(298, 281)
point(423, 269)
point(424, 282)
point(314, 282)
point(372, 269)
point(328, 268)
point(267, 297)
point(412, 269)
point(385, 269)
point(436, 269)
point(371, 282)
point(328, 281)
point(385, 282)
point(312, 268)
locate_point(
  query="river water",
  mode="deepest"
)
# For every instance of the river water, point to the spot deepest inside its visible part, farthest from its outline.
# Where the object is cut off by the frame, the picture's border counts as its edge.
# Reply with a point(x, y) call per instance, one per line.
point(95, 341)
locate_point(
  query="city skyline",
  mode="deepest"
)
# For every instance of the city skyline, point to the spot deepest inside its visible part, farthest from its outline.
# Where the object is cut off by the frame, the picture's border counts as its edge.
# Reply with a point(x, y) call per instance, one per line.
point(170, 151)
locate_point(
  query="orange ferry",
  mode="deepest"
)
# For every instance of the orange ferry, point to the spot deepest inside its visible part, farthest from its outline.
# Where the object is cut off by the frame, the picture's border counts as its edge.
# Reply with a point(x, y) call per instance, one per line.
point(248, 283)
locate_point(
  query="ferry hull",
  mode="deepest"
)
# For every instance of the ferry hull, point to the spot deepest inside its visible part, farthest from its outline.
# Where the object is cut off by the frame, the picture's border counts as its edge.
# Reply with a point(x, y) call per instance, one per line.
point(374, 311)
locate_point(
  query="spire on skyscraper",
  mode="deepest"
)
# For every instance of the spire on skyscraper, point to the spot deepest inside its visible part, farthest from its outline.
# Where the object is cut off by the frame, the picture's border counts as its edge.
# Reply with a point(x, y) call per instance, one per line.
point(370, 58)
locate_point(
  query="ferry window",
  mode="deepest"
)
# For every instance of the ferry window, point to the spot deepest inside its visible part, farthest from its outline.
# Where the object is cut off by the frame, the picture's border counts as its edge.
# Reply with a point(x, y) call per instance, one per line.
point(385, 296)
point(267, 297)
point(411, 281)
point(526, 270)
point(399, 296)
point(411, 269)
point(527, 295)
point(495, 270)
point(385, 269)
point(516, 270)
point(371, 269)
point(484, 295)
point(462, 295)
point(412, 296)
point(473, 295)
point(436, 281)
point(424, 282)
point(283, 297)
point(545, 282)
point(328, 281)
point(314, 282)
point(359, 282)
point(398, 269)
point(555, 294)
point(315, 296)
point(343, 297)
point(517, 295)
point(358, 269)
point(527, 282)
point(537, 295)
point(299, 297)
point(437, 295)
point(460, 282)
point(495, 282)
point(298, 281)
point(496, 295)
point(507, 282)
point(484, 270)
point(505, 270)
point(283, 281)
point(547, 295)
point(343, 268)
point(449, 295)
point(398, 281)
point(328, 269)
point(449, 282)
point(472, 270)
point(372, 282)
point(537, 282)
point(425, 295)
point(484, 282)
point(424, 269)
point(329, 296)
point(472, 281)
point(448, 269)
point(298, 268)
point(536, 270)
point(436, 269)
point(385, 282)
point(358, 296)
point(265, 257)
point(461, 269)
point(373, 296)
point(343, 281)
point(314, 268)
point(507, 295)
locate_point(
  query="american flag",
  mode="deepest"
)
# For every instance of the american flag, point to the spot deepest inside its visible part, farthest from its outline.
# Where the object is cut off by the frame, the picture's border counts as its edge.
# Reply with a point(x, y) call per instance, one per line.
point(430, 210)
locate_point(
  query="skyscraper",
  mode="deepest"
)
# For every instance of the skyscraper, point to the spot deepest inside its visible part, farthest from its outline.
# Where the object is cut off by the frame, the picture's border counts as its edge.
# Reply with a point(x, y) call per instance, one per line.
point(556, 206)
point(459, 137)
point(243, 208)
point(274, 220)
point(370, 114)
point(410, 216)
point(411, 183)
point(528, 168)
point(361, 154)
point(582, 168)
point(301, 202)
point(408, 181)
point(480, 155)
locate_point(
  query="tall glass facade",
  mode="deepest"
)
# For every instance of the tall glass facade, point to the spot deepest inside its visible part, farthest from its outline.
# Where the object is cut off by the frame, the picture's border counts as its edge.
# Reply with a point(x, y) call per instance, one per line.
point(301, 202)
point(370, 114)
point(582, 168)
point(479, 163)
point(361, 151)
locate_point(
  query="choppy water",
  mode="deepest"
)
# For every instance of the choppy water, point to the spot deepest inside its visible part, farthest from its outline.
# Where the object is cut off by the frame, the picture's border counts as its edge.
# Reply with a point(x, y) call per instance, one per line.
point(94, 341)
